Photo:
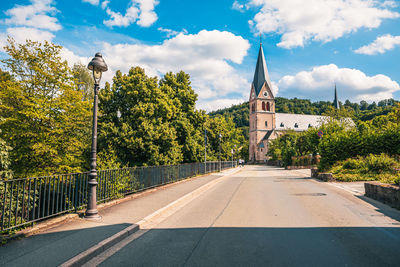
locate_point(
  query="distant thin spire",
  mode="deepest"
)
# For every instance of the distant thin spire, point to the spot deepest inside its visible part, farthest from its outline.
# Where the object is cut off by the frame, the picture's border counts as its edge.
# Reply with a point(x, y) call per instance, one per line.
point(260, 39)
point(335, 100)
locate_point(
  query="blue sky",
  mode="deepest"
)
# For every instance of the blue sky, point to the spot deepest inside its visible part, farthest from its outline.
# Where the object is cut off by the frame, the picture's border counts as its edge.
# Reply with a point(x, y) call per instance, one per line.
point(309, 45)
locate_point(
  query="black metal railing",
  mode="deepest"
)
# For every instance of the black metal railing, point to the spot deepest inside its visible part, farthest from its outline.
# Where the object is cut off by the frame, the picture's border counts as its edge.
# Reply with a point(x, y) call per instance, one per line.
point(27, 200)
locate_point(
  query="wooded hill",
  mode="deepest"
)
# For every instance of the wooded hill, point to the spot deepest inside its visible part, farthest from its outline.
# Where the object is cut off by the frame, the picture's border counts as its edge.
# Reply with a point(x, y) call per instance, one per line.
point(357, 111)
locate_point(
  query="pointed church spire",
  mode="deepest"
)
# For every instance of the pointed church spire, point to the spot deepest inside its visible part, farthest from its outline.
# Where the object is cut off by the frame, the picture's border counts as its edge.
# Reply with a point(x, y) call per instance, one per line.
point(261, 74)
point(335, 100)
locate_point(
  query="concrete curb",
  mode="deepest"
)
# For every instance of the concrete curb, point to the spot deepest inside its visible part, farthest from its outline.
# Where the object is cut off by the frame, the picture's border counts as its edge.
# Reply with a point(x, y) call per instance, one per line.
point(162, 213)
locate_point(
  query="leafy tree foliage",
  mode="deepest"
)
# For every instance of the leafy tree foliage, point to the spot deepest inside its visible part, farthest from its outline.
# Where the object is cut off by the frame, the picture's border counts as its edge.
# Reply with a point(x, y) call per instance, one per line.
point(239, 113)
point(45, 116)
point(84, 81)
point(358, 112)
point(46, 113)
point(186, 120)
point(147, 121)
point(5, 171)
point(221, 132)
point(341, 141)
point(135, 120)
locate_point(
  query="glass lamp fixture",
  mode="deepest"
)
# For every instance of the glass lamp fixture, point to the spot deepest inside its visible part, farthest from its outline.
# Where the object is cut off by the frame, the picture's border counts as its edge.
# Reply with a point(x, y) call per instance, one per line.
point(98, 66)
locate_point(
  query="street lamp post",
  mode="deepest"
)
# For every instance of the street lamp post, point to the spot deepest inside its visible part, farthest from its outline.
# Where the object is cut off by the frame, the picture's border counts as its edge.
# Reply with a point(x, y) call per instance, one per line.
point(232, 158)
point(97, 66)
point(232, 152)
point(205, 151)
point(220, 135)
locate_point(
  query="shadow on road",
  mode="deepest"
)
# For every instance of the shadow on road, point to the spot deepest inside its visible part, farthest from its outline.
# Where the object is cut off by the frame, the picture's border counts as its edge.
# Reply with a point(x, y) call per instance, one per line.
point(382, 208)
point(52, 249)
point(321, 246)
point(218, 246)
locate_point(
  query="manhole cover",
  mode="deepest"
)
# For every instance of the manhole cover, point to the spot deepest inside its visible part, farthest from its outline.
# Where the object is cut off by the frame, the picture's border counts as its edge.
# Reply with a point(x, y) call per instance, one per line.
point(310, 194)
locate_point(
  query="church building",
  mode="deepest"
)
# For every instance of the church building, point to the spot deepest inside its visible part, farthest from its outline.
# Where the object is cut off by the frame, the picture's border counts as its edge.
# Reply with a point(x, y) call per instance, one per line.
point(264, 123)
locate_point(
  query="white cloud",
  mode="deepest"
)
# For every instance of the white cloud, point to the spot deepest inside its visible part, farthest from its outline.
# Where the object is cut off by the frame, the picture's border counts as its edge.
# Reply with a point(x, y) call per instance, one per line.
point(275, 88)
point(216, 104)
point(21, 34)
point(380, 45)
point(300, 21)
point(139, 11)
point(389, 4)
point(93, 2)
point(238, 6)
point(147, 15)
point(122, 20)
point(104, 4)
point(72, 58)
point(352, 84)
point(206, 56)
point(39, 15)
point(169, 32)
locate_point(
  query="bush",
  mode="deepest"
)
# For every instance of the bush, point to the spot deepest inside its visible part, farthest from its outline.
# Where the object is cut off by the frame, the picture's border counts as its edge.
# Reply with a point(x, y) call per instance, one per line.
point(379, 163)
point(351, 164)
point(371, 167)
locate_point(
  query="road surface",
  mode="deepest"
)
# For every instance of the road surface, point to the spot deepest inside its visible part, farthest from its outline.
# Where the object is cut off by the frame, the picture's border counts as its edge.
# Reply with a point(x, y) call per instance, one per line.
point(265, 216)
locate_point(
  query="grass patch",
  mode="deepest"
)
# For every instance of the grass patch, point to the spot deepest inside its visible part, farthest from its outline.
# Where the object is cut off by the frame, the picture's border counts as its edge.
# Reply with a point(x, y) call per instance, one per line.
point(369, 168)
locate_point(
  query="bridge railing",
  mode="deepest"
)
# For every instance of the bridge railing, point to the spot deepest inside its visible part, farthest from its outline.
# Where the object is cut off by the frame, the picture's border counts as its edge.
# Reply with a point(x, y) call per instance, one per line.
point(27, 200)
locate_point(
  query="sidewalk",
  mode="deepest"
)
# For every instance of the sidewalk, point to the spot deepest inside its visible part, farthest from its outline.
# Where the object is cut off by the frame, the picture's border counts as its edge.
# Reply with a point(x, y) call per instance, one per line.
point(57, 245)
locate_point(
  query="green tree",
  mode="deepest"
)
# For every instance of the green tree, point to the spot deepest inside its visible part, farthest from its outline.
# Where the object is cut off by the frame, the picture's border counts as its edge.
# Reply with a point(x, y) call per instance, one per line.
point(186, 120)
point(84, 81)
point(5, 171)
point(135, 120)
point(230, 136)
point(150, 122)
point(45, 118)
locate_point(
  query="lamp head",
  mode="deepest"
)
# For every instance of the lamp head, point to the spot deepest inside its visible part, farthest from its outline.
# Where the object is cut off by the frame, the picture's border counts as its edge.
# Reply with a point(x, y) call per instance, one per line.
point(97, 65)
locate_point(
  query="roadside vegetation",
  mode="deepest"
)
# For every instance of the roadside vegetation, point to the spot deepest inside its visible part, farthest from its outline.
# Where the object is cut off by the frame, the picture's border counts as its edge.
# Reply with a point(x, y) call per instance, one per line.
point(46, 116)
point(358, 112)
point(372, 167)
point(45, 120)
point(366, 151)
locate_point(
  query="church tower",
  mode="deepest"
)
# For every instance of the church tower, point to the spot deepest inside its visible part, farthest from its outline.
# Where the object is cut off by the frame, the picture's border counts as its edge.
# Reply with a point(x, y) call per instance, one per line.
point(262, 111)
point(335, 100)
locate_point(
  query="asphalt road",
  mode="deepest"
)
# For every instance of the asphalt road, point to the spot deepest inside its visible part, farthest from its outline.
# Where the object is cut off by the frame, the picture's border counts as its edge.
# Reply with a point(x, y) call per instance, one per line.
point(264, 216)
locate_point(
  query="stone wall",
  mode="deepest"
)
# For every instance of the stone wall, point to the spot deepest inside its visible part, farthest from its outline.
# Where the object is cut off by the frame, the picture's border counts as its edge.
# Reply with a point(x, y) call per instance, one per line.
point(386, 193)
point(326, 177)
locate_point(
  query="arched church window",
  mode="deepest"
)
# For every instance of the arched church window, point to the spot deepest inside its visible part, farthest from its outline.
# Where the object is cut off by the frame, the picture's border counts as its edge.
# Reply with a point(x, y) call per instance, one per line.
point(266, 123)
point(253, 108)
point(268, 107)
point(263, 105)
point(282, 125)
point(296, 125)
